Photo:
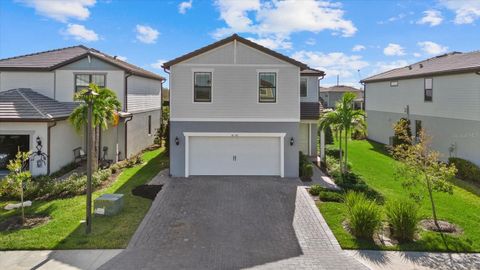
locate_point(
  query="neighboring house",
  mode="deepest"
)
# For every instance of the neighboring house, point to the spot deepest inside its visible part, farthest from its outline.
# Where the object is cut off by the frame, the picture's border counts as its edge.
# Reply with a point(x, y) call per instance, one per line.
point(440, 94)
point(330, 95)
point(238, 108)
point(36, 98)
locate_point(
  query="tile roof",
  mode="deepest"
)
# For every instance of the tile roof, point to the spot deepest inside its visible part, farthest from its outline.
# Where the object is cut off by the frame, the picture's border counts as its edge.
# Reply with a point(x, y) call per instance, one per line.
point(310, 110)
point(24, 104)
point(450, 63)
point(340, 88)
point(50, 60)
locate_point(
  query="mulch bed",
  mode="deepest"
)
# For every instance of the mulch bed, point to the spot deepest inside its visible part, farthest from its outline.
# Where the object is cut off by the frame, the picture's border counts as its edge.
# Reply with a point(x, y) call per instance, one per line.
point(15, 222)
point(147, 191)
point(445, 226)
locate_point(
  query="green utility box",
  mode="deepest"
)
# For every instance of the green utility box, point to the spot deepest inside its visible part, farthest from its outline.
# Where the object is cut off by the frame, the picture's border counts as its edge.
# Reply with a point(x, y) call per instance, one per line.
point(108, 204)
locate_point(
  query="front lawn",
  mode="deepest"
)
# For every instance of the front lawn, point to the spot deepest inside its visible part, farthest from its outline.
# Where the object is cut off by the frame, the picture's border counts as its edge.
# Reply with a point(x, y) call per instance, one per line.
point(65, 230)
point(376, 167)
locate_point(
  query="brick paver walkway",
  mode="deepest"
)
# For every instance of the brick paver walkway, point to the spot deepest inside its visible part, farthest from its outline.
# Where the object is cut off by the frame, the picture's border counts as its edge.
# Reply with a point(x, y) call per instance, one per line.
point(233, 223)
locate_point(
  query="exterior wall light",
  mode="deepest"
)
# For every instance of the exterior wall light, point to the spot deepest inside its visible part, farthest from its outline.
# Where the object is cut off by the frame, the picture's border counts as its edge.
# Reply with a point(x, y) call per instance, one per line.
point(291, 141)
point(177, 141)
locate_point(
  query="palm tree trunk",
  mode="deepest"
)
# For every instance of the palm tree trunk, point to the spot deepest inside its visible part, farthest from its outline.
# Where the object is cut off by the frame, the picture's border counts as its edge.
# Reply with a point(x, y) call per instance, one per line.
point(95, 148)
point(21, 201)
point(340, 152)
point(346, 149)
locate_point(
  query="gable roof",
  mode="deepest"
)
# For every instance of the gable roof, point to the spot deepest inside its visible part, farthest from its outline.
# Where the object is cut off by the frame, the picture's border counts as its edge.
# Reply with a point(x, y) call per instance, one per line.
point(312, 72)
point(229, 39)
point(24, 104)
point(450, 63)
point(340, 89)
point(51, 60)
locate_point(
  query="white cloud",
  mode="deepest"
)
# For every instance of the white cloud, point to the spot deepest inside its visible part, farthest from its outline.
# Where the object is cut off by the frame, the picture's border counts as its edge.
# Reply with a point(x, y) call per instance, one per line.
point(61, 10)
point(184, 6)
point(393, 49)
point(273, 42)
point(146, 34)
point(385, 66)
point(158, 64)
point(80, 32)
point(431, 17)
point(358, 48)
point(417, 54)
point(278, 19)
point(123, 58)
point(432, 48)
point(466, 11)
point(336, 63)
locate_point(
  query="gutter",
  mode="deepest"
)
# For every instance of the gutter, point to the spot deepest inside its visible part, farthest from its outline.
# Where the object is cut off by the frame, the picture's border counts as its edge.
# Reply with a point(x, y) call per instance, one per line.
point(125, 109)
point(126, 135)
point(50, 126)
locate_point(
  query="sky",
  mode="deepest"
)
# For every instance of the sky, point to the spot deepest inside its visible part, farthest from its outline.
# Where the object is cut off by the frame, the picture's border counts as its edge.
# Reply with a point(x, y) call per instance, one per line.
point(350, 39)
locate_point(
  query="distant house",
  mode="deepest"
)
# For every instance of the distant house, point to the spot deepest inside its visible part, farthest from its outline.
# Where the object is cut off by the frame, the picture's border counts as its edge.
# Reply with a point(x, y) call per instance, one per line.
point(238, 108)
point(36, 98)
point(330, 95)
point(440, 94)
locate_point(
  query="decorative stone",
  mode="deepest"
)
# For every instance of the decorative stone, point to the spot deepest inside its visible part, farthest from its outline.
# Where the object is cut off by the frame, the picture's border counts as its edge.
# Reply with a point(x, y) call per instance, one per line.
point(108, 204)
point(12, 206)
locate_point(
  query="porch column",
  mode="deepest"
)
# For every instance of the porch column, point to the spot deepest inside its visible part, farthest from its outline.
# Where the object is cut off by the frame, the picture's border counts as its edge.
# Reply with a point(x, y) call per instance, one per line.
point(322, 145)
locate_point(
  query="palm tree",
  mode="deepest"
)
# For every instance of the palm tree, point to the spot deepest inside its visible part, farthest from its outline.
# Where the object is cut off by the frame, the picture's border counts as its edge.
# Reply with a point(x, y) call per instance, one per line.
point(105, 107)
point(343, 119)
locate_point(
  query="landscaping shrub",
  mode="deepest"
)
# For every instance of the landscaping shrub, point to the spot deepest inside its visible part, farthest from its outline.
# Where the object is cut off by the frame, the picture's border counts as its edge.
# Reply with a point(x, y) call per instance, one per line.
point(315, 190)
point(403, 217)
point(364, 216)
point(65, 169)
point(466, 170)
point(399, 126)
point(352, 182)
point(330, 196)
point(305, 167)
point(333, 152)
point(328, 135)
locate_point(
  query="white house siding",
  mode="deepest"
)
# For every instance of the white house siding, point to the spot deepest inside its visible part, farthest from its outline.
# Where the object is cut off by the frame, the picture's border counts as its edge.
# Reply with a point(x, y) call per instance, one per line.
point(34, 130)
point(453, 118)
point(138, 137)
point(65, 77)
point(143, 94)
point(113, 139)
point(312, 89)
point(63, 139)
point(41, 82)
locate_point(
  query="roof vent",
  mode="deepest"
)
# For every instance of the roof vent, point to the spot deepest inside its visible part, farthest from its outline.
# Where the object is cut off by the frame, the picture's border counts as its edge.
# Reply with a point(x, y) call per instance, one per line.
point(421, 65)
point(114, 57)
point(410, 67)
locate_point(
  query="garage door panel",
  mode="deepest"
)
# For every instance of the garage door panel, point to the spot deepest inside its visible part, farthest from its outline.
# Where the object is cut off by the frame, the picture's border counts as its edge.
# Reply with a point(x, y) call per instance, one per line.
point(234, 155)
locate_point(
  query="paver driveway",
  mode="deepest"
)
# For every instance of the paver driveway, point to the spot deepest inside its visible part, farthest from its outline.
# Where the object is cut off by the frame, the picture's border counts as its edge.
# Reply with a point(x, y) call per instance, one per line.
point(232, 223)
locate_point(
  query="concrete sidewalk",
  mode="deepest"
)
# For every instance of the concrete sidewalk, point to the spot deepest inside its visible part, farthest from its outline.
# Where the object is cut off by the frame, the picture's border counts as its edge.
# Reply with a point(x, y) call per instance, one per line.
point(399, 260)
point(56, 259)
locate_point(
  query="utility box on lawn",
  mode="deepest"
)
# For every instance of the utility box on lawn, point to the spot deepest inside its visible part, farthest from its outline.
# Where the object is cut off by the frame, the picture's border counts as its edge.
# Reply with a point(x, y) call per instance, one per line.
point(108, 204)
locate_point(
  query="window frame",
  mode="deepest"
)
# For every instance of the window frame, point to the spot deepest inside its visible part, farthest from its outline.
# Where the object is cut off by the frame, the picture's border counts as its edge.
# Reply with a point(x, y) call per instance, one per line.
point(90, 76)
point(306, 87)
point(259, 72)
point(194, 72)
point(425, 90)
point(394, 83)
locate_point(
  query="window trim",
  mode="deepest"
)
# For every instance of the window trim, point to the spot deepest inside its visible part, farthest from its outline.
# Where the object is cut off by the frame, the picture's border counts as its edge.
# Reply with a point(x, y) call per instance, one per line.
point(258, 85)
point(306, 87)
point(425, 90)
point(211, 71)
point(90, 78)
point(394, 83)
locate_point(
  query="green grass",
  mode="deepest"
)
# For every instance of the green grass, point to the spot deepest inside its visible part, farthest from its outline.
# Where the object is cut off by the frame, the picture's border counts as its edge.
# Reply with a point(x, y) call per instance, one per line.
point(372, 162)
point(65, 230)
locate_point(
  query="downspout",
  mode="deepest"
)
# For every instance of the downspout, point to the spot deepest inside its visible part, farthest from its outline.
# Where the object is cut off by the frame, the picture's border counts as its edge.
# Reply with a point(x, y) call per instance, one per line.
point(48, 145)
point(125, 109)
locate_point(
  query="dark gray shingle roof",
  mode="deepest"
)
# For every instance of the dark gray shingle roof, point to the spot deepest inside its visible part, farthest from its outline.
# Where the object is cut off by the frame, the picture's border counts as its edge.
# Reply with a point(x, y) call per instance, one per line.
point(310, 110)
point(50, 60)
point(24, 104)
point(449, 63)
point(340, 88)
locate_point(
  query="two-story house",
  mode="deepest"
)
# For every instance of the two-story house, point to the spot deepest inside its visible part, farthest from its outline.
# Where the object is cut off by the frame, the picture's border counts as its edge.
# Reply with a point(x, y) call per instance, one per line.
point(440, 94)
point(238, 108)
point(329, 96)
point(36, 98)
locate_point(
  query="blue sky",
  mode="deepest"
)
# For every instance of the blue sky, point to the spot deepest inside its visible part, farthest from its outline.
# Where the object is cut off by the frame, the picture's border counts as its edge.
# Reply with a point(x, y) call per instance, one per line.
point(340, 37)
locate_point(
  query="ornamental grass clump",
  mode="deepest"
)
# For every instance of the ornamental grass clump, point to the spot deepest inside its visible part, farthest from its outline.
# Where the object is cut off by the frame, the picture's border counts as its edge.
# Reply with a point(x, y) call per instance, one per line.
point(364, 216)
point(403, 218)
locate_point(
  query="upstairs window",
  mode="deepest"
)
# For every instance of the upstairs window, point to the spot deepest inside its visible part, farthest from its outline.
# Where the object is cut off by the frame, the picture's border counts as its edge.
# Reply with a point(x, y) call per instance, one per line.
point(428, 93)
point(202, 90)
point(267, 87)
point(83, 80)
point(303, 87)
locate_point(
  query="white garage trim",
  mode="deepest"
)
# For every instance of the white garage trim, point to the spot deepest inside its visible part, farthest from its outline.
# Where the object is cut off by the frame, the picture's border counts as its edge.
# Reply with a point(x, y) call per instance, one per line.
point(280, 136)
